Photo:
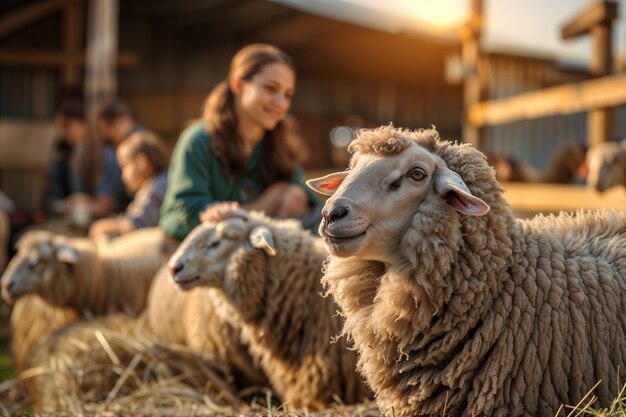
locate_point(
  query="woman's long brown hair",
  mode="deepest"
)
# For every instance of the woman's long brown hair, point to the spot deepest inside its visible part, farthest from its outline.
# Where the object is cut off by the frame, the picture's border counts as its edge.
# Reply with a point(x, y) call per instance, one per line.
point(281, 146)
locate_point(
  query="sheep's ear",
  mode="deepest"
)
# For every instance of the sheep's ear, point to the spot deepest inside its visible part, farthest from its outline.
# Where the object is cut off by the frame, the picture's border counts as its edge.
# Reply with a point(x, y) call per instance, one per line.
point(452, 189)
point(327, 184)
point(261, 238)
point(67, 254)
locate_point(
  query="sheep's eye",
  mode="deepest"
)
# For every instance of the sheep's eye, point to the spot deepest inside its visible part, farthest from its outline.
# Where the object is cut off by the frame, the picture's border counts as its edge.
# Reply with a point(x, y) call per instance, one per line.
point(417, 174)
point(395, 185)
point(32, 264)
point(214, 244)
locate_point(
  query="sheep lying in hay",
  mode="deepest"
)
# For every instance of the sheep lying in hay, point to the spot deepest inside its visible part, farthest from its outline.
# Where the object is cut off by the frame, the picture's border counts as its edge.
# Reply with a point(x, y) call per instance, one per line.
point(455, 306)
point(270, 271)
point(76, 278)
point(108, 360)
point(190, 319)
point(32, 318)
point(607, 165)
point(92, 278)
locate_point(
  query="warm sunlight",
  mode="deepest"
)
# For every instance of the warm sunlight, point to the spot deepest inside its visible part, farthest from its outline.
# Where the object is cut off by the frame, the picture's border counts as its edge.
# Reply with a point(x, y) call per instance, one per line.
point(443, 14)
point(440, 14)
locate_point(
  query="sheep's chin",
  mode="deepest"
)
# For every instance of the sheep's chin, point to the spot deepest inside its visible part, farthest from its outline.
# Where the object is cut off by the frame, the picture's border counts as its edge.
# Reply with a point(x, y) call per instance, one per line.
point(186, 283)
point(346, 245)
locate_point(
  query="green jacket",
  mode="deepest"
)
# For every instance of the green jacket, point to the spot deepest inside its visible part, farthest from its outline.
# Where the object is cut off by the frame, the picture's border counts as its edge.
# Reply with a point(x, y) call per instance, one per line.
point(196, 179)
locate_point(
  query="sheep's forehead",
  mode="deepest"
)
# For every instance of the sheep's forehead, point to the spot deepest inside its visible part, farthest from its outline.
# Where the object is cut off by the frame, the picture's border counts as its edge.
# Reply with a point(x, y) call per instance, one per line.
point(38, 249)
point(234, 228)
point(370, 165)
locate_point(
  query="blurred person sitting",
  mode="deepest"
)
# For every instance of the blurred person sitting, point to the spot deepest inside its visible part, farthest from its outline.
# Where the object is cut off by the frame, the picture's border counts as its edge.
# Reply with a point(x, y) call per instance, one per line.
point(244, 152)
point(66, 187)
point(143, 159)
point(116, 122)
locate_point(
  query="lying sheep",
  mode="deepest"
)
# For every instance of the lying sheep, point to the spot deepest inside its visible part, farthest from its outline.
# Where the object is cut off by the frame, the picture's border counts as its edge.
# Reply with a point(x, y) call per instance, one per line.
point(99, 361)
point(453, 305)
point(269, 271)
point(76, 278)
point(76, 272)
point(31, 319)
point(30, 316)
point(607, 165)
point(190, 319)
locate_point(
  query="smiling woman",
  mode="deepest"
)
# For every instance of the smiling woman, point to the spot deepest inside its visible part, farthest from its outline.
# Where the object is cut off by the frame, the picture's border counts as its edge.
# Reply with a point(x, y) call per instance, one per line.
point(244, 151)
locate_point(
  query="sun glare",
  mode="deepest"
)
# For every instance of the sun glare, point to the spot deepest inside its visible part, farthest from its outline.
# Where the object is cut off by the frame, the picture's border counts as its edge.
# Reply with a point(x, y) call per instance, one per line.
point(439, 14)
point(442, 14)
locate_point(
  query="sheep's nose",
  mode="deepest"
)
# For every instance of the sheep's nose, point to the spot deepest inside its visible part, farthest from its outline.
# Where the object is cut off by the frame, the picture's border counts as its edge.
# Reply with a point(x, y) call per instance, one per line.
point(7, 285)
point(335, 213)
point(176, 268)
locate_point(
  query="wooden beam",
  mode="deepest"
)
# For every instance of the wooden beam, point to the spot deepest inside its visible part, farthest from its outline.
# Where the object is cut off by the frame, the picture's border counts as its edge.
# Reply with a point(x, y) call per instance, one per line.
point(475, 83)
point(542, 198)
point(47, 58)
point(597, 13)
point(72, 42)
point(607, 91)
point(28, 14)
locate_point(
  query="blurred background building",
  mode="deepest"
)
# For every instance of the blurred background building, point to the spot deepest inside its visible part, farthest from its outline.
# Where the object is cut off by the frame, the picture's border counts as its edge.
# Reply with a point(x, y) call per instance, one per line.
point(361, 63)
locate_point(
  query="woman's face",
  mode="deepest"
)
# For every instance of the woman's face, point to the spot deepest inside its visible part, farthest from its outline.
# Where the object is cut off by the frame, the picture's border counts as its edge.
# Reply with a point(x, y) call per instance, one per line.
point(266, 97)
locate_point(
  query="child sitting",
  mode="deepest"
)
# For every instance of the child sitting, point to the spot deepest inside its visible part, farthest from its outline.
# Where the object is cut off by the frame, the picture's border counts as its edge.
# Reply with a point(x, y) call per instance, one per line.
point(143, 160)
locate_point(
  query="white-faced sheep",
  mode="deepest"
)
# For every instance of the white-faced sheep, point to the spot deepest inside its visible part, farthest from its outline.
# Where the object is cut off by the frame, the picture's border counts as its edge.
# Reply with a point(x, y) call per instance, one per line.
point(455, 306)
point(76, 277)
point(189, 318)
point(269, 272)
point(606, 163)
point(92, 278)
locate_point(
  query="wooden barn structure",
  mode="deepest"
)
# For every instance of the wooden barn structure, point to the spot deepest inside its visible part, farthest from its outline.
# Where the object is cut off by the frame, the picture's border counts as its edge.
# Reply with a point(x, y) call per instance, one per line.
point(354, 64)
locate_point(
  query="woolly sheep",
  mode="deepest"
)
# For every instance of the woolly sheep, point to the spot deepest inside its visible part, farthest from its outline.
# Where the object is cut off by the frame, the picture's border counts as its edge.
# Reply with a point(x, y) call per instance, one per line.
point(270, 271)
point(607, 165)
point(97, 361)
point(30, 316)
point(455, 306)
point(190, 319)
point(76, 278)
point(31, 319)
point(92, 278)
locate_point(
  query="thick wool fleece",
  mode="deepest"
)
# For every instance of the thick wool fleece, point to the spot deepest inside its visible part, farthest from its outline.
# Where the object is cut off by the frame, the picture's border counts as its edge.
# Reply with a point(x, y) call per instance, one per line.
point(106, 278)
point(32, 319)
point(489, 315)
point(189, 318)
point(288, 325)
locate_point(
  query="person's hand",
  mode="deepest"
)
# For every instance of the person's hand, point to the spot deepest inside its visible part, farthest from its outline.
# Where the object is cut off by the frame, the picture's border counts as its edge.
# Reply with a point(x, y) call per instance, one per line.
point(219, 211)
point(107, 229)
point(101, 229)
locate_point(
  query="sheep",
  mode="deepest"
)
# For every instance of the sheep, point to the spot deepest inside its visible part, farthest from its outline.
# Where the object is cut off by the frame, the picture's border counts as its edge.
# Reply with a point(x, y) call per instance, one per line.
point(97, 361)
point(454, 305)
point(31, 319)
point(76, 278)
point(190, 320)
point(607, 165)
point(269, 272)
point(92, 278)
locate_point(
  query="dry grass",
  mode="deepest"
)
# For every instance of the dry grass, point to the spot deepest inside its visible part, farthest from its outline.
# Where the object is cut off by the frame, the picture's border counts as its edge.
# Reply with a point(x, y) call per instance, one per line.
point(97, 371)
point(587, 406)
point(94, 370)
